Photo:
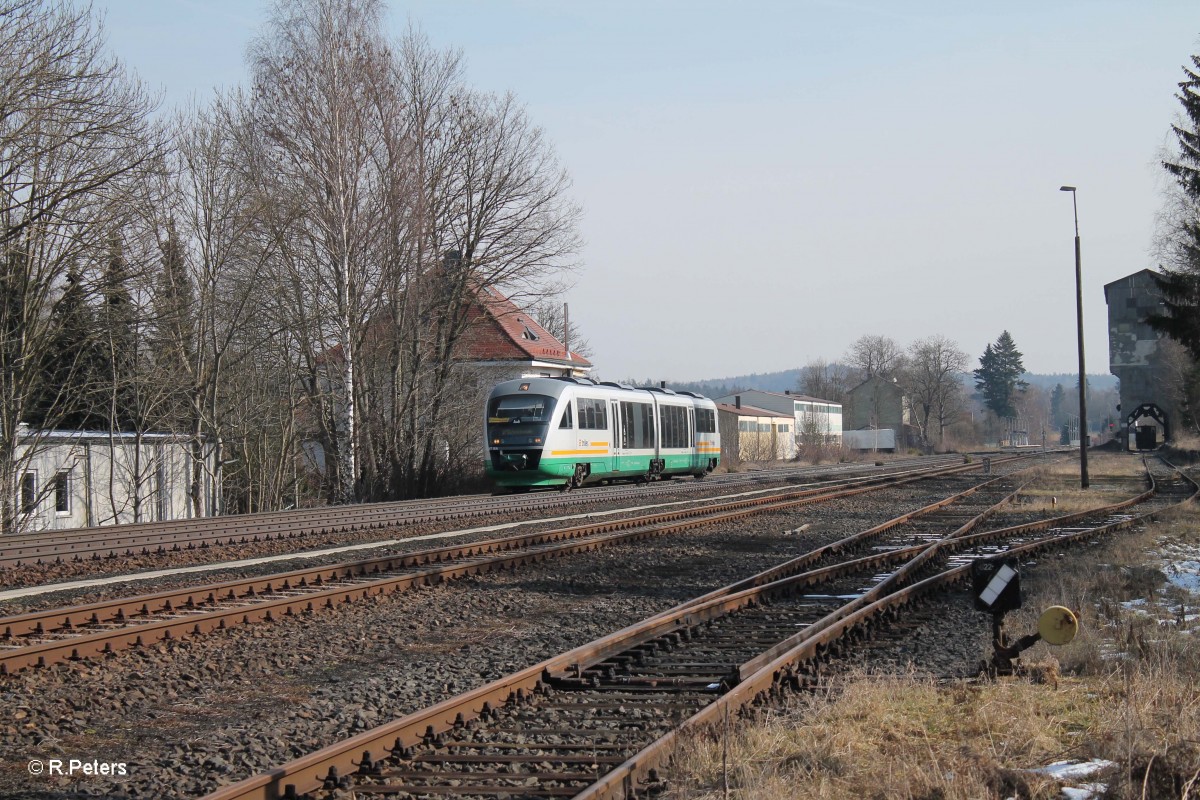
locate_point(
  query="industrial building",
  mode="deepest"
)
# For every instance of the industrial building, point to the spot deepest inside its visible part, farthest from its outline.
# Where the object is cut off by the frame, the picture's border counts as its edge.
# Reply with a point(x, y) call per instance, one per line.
point(811, 416)
point(752, 434)
point(1147, 408)
point(877, 416)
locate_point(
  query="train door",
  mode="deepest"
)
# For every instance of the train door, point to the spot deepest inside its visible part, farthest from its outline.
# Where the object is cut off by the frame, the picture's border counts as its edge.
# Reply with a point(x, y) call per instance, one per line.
point(656, 439)
point(691, 429)
point(616, 429)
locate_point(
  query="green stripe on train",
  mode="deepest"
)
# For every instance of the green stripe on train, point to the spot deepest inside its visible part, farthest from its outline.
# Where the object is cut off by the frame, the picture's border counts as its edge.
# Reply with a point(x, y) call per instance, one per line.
point(555, 471)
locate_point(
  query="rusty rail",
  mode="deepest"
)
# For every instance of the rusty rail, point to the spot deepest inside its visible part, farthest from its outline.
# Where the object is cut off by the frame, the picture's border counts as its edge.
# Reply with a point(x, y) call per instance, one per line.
point(786, 668)
point(757, 676)
point(174, 535)
point(194, 611)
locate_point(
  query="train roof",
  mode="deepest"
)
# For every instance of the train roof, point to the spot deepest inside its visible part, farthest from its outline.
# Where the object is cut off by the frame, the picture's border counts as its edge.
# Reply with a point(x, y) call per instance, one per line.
point(554, 385)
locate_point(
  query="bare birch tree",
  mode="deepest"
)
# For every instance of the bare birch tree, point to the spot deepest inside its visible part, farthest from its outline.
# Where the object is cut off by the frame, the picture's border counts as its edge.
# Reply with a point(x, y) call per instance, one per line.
point(509, 224)
point(478, 201)
point(318, 78)
point(1177, 377)
point(387, 200)
point(213, 254)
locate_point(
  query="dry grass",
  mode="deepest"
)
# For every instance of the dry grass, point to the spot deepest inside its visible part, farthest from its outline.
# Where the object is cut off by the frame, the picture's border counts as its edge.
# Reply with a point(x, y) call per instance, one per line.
point(1113, 478)
point(899, 737)
point(1129, 692)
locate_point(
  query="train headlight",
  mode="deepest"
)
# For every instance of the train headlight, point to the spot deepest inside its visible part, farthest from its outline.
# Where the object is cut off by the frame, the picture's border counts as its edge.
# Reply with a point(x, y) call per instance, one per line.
point(495, 441)
point(537, 440)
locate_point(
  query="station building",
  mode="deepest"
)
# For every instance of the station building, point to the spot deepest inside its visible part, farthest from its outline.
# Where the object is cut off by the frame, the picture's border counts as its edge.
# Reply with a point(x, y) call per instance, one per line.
point(505, 343)
point(75, 479)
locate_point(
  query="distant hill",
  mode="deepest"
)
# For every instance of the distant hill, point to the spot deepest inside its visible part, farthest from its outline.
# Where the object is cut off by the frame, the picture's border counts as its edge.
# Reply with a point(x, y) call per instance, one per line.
point(789, 379)
point(1069, 379)
point(786, 380)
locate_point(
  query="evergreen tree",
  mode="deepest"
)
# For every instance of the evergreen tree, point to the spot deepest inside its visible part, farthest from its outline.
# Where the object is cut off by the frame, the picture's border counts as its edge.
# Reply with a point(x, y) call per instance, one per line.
point(118, 329)
point(73, 364)
point(998, 379)
point(1180, 285)
point(1057, 412)
point(173, 339)
point(174, 301)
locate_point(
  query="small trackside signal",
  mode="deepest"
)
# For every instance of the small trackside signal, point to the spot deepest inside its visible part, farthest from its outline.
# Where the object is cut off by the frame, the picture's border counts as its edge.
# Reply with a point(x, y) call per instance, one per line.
point(997, 585)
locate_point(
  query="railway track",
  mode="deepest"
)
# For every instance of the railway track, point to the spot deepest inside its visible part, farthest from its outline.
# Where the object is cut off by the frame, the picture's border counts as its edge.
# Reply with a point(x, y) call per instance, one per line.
point(143, 539)
point(602, 719)
point(45, 637)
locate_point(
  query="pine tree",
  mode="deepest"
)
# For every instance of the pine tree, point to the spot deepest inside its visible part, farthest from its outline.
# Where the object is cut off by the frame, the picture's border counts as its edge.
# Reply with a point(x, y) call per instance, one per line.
point(118, 328)
point(73, 364)
point(998, 378)
point(174, 301)
point(172, 340)
point(1180, 286)
point(1057, 411)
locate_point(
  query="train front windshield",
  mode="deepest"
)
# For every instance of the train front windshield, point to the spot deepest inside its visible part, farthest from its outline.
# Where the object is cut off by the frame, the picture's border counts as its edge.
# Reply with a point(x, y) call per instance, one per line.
point(519, 419)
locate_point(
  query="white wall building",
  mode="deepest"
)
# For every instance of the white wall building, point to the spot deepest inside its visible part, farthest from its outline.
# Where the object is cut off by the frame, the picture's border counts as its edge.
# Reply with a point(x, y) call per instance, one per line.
point(73, 479)
point(810, 414)
point(754, 434)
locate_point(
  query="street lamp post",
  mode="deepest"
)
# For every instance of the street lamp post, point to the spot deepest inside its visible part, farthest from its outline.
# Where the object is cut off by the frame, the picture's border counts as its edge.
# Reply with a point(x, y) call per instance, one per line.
point(1083, 435)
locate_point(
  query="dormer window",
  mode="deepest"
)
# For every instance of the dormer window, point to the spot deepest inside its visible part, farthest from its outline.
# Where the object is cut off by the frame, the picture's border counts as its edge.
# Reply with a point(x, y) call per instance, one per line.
point(527, 334)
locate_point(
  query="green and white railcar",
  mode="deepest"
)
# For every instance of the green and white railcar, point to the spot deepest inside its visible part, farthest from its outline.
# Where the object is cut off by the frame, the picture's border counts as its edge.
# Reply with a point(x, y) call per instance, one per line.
point(568, 432)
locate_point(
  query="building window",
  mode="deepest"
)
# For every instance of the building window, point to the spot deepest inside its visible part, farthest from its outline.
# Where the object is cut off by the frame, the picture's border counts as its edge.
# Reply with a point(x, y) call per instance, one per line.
point(62, 492)
point(28, 492)
point(164, 492)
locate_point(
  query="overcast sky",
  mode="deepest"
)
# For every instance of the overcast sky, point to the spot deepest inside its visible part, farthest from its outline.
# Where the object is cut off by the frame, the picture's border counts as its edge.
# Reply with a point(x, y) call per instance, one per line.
point(765, 182)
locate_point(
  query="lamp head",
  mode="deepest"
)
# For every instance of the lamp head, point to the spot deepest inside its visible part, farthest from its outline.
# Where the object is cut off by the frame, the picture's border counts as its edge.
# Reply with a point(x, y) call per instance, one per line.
point(1066, 188)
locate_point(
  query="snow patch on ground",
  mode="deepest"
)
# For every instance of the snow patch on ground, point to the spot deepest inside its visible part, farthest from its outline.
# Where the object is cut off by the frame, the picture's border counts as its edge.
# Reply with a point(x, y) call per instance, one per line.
point(1072, 771)
point(1184, 575)
point(1177, 601)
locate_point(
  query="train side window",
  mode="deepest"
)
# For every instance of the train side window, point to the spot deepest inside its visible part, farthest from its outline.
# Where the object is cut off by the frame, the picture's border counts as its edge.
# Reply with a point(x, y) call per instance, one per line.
point(566, 421)
point(593, 414)
point(674, 422)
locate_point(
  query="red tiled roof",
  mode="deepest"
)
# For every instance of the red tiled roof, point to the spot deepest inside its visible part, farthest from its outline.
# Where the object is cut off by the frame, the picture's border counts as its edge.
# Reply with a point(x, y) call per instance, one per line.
point(499, 331)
